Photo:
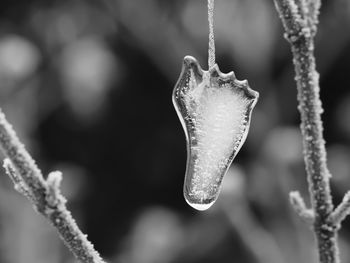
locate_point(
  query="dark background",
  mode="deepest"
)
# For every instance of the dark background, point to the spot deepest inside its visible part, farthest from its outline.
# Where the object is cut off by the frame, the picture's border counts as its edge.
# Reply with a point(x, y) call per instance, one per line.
point(87, 86)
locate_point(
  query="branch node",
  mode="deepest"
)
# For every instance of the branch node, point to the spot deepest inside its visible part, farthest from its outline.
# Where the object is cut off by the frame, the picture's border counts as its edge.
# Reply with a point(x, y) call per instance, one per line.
point(298, 18)
point(300, 208)
point(289, 13)
point(54, 197)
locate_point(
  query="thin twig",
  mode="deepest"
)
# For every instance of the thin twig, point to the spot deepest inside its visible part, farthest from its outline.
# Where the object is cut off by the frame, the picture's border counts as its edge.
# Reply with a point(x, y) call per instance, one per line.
point(314, 11)
point(44, 194)
point(300, 35)
point(302, 8)
point(342, 210)
point(18, 182)
point(299, 206)
point(211, 48)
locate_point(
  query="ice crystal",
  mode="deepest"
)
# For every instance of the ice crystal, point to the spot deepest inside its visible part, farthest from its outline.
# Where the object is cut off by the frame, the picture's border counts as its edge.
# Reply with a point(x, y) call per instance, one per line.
point(214, 109)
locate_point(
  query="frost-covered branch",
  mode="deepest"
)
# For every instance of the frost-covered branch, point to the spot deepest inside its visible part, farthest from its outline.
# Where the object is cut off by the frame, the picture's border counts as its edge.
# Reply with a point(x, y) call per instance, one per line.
point(299, 206)
point(313, 11)
point(18, 183)
point(342, 211)
point(300, 18)
point(44, 194)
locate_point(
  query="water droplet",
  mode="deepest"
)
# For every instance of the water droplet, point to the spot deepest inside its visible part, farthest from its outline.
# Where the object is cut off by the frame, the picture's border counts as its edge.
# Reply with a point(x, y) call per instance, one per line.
point(200, 206)
point(214, 109)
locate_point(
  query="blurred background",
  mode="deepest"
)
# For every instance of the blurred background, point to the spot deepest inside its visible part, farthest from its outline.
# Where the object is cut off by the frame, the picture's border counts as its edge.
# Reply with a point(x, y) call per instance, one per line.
point(87, 85)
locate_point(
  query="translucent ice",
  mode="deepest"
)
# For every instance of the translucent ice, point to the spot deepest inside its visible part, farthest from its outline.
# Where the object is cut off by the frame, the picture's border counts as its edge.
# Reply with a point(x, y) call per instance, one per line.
point(214, 109)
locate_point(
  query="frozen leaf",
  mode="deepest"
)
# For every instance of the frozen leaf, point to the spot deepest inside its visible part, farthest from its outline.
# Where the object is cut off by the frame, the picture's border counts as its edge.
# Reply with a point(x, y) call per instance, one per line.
point(214, 109)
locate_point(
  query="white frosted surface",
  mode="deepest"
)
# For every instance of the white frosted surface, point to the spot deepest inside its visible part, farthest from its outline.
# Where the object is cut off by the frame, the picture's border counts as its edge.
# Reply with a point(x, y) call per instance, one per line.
point(217, 115)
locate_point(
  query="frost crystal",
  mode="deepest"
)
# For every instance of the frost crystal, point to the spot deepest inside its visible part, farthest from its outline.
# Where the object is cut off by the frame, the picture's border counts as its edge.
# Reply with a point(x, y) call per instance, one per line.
point(214, 109)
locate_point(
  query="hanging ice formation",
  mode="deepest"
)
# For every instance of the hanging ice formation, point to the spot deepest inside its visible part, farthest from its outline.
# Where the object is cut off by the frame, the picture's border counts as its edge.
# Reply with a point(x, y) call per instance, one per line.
point(215, 110)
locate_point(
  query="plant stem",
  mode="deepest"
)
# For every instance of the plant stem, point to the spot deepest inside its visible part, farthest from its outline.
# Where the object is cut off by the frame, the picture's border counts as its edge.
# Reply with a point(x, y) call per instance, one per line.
point(314, 147)
point(44, 194)
point(300, 34)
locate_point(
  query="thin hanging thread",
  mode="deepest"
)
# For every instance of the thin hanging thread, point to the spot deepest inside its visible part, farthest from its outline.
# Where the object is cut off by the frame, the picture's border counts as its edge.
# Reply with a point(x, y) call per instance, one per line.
point(211, 48)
